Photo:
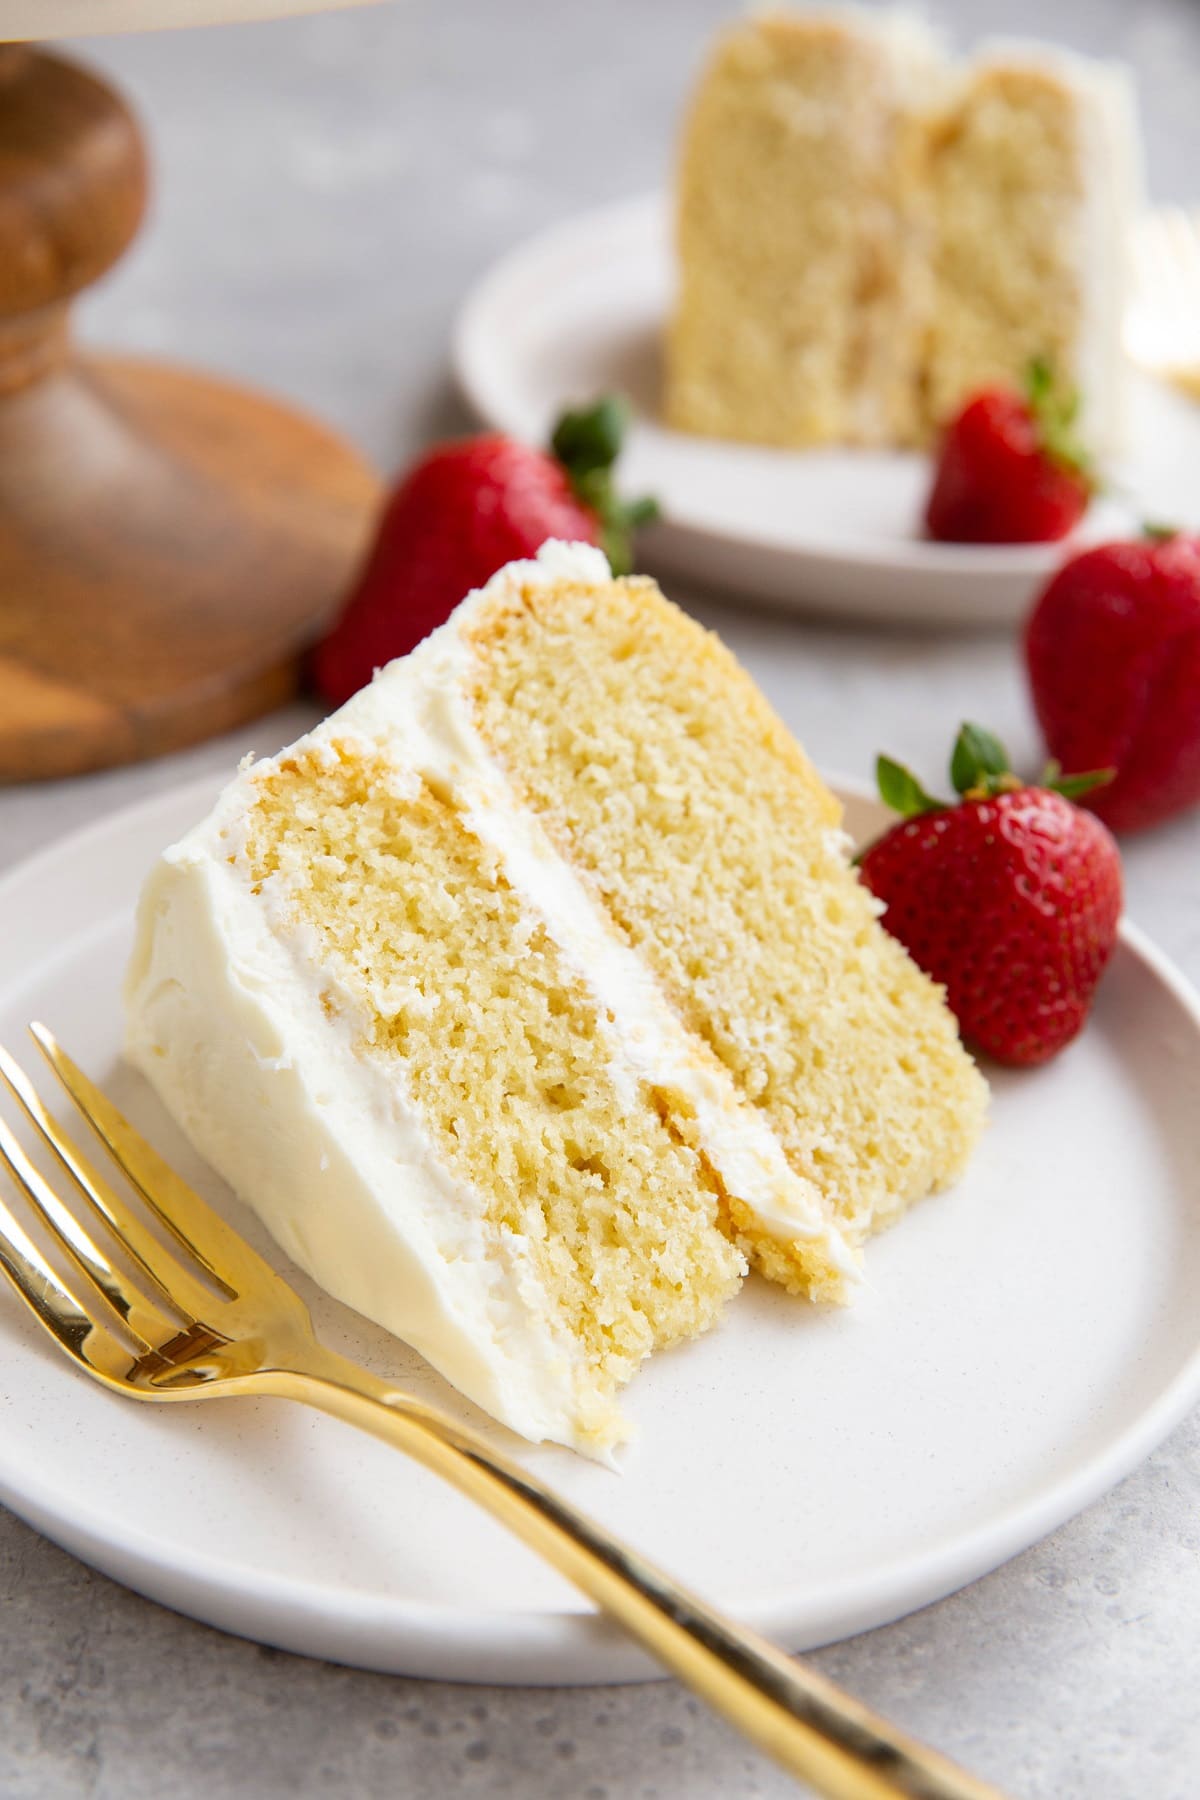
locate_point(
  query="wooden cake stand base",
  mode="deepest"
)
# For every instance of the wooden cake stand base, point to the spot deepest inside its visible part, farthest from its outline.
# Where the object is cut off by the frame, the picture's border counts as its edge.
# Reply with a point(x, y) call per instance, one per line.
point(168, 544)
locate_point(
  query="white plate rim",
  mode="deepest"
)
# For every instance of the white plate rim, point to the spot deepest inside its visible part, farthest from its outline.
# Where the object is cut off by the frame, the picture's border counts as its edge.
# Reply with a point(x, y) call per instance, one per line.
point(470, 355)
point(561, 1647)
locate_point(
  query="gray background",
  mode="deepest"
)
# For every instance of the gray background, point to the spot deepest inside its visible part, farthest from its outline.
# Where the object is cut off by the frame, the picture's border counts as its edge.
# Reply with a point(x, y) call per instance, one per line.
point(328, 189)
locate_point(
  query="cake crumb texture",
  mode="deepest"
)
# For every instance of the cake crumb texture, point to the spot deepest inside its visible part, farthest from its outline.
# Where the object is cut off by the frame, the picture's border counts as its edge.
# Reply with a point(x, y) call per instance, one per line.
point(1006, 181)
point(799, 229)
point(661, 774)
point(869, 231)
point(445, 975)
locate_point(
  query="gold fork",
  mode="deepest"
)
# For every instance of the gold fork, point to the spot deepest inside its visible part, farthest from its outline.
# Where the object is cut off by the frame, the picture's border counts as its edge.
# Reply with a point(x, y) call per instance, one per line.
point(1162, 325)
point(210, 1318)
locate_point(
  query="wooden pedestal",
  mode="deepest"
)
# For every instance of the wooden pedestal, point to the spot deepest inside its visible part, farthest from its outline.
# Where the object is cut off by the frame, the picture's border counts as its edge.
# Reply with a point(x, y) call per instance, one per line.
point(168, 543)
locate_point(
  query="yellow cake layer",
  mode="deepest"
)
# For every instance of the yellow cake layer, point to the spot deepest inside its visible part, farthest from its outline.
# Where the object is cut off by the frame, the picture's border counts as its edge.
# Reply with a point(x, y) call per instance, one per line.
point(868, 232)
point(500, 1047)
point(662, 776)
point(1006, 182)
point(802, 292)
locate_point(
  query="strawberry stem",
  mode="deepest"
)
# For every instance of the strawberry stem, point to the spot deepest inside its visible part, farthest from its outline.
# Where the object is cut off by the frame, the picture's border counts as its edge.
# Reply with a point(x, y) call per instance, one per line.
point(978, 762)
point(1073, 787)
point(979, 769)
point(1055, 412)
point(900, 789)
point(587, 441)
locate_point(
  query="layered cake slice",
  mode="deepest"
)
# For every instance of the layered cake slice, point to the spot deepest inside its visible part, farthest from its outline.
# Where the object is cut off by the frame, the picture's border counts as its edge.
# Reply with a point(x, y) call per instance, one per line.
point(531, 997)
point(801, 234)
point(1033, 177)
point(868, 232)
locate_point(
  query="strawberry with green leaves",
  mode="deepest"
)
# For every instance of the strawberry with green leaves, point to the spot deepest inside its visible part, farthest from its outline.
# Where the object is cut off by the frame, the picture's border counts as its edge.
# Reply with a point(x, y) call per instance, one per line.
point(460, 513)
point(1010, 897)
point(1010, 469)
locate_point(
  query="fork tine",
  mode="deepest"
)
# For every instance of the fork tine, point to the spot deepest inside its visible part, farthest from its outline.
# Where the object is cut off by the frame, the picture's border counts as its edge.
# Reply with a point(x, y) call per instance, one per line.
point(144, 1323)
point(168, 1276)
point(229, 1260)
point(55, 1307)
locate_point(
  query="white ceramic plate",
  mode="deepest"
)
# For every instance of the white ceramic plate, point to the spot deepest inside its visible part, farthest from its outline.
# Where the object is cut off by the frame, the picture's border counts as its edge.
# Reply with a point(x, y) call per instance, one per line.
point(1025, 1341)
point(580, 311)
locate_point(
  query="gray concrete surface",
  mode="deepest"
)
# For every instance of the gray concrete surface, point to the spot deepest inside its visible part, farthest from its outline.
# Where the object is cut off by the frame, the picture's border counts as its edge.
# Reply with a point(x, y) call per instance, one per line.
point(327, 190)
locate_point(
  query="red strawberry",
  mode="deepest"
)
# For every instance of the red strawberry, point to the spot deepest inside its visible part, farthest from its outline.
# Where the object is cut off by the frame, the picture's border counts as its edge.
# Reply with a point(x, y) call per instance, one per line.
point(1008, 470)
point(1113, 653)
point(460, 514)
point(1010, 898)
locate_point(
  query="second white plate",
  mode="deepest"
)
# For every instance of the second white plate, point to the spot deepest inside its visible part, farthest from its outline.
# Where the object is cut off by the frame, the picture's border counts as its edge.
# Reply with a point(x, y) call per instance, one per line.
point(1025, 1340)
point(580, 310)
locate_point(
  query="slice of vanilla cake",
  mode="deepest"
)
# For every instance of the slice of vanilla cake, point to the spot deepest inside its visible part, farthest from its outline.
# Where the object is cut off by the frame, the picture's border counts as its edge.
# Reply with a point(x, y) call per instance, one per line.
point(532, 994)
point(1033, 180)
point(869, 232)
point(800, 228)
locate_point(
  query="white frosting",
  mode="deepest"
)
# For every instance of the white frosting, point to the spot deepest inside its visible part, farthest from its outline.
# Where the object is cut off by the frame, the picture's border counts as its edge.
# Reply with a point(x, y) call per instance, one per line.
point(1114, 197)
point(1112, 178)
point(226, 1019)
point(228, 1025)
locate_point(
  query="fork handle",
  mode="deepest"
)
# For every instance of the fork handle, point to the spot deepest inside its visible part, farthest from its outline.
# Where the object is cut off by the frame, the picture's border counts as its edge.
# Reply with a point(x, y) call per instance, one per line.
point(806, 1723)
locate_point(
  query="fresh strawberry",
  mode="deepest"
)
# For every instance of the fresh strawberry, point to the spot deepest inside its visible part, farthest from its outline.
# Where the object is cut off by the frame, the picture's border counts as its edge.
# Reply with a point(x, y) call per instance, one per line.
point(1009, 470)
point(461, 513)
point(1010, 897)
point(1113, 653)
